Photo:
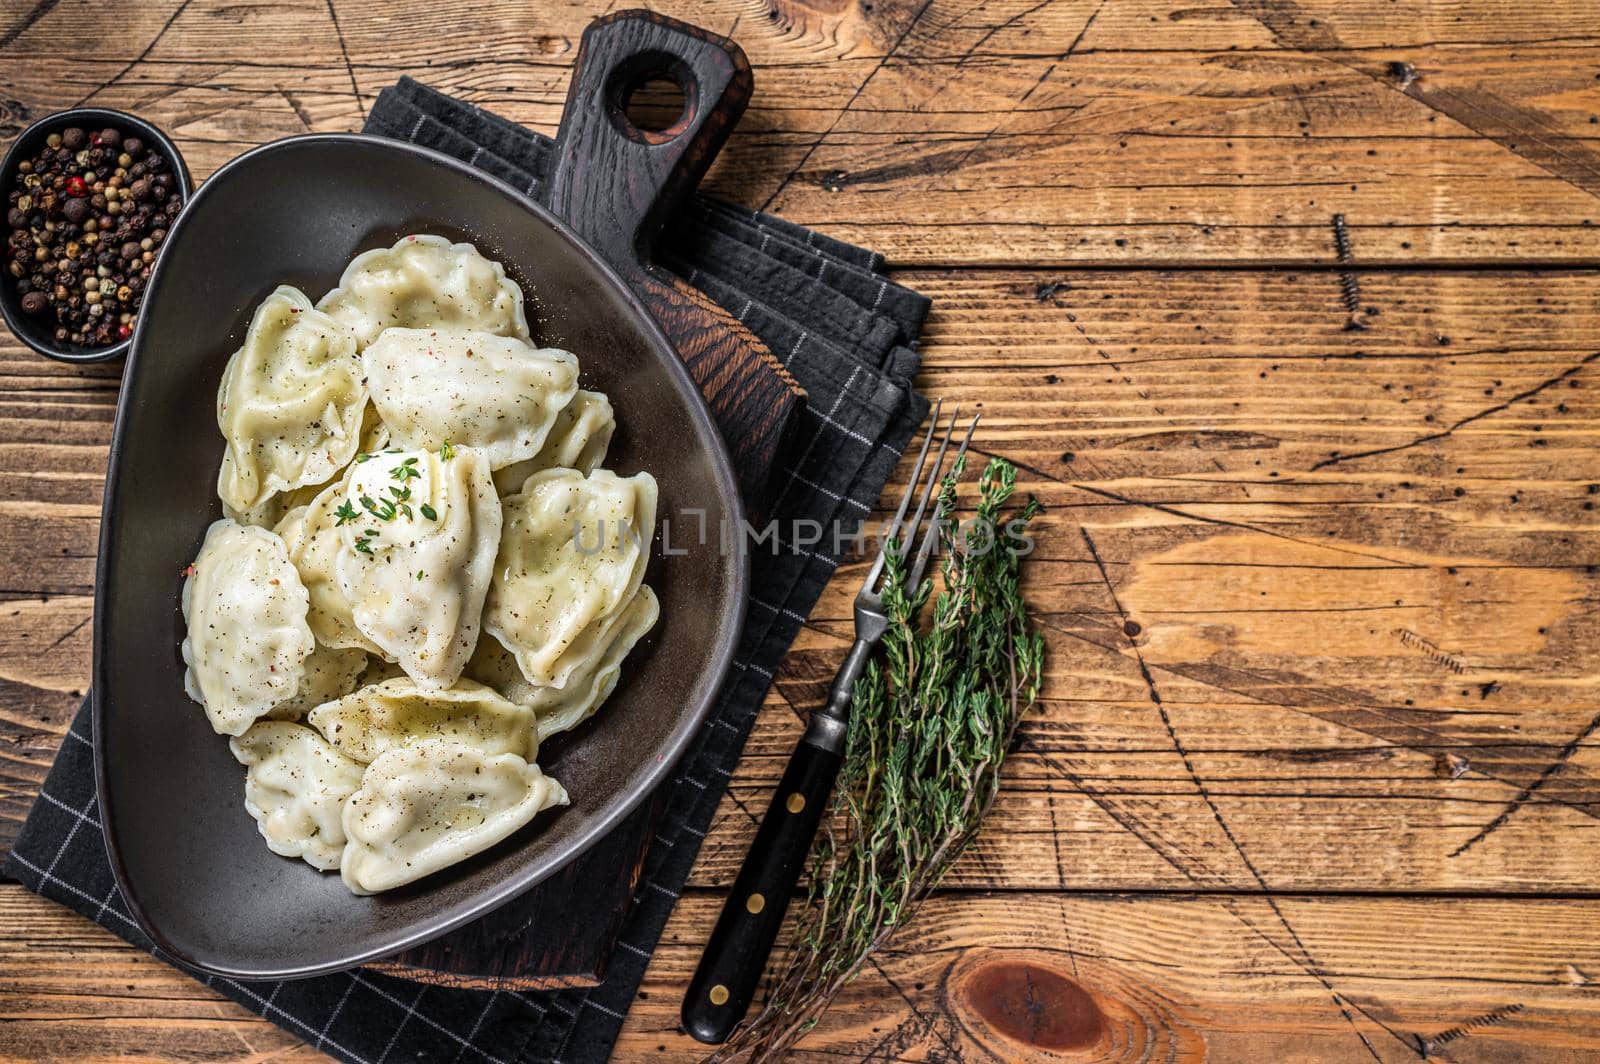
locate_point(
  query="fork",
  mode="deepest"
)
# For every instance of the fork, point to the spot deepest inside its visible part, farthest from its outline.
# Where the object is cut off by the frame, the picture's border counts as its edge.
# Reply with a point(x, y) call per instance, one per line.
point(736, 954)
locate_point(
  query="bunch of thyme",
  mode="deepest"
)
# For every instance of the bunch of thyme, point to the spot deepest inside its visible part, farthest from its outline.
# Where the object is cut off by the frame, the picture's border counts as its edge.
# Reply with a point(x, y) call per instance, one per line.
point(929, 730)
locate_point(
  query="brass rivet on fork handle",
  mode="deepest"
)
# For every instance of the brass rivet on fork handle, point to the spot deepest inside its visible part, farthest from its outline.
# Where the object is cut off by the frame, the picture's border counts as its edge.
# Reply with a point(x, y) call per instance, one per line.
point(725, 981)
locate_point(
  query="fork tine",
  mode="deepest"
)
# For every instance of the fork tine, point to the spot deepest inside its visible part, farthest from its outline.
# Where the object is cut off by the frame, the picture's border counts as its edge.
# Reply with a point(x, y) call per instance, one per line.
point(905, 500)
point(930, 483)
point(930, 537)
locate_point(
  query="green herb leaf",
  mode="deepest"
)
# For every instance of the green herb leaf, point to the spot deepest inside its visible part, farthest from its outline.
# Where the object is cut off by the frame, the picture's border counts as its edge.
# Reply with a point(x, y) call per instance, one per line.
point(345, 513)
point(429, 512)
point(447, 452)
point(928, 731)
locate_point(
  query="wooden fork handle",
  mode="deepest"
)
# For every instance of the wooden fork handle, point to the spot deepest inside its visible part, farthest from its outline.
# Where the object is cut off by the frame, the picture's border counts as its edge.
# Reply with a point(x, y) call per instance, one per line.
point(730, 969)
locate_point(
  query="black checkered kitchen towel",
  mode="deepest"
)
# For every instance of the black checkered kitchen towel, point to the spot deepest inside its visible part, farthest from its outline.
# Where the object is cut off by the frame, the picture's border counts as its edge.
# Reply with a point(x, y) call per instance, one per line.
point(846, 333)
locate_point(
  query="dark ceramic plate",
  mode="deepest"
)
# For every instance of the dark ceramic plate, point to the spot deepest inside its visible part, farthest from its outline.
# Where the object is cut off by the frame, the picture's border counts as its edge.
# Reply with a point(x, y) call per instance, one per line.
point(187, 856)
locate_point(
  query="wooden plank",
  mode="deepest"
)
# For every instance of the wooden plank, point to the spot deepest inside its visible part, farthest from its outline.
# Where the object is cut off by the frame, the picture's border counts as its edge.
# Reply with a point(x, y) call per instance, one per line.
point(1127, 978)
point(1065, 133)
point(1362, 668)
point(1124, 977)
point(1292, 705)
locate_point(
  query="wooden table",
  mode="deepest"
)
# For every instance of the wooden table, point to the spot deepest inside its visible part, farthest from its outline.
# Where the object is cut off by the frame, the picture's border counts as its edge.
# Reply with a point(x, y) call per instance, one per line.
point(1288, 311)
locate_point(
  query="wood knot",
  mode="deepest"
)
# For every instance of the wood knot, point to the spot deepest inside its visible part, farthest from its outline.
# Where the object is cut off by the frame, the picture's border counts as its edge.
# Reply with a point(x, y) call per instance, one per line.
point(14, 115)
point(1403, 73)
point(1032, 1005)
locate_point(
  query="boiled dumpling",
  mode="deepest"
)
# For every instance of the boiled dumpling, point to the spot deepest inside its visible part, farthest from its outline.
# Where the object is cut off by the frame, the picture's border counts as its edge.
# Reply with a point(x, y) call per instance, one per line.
point(559, 709)
point(578, 440)
point(273, 512)
point(327, 674)
point(496, 393)
point(425, 280)
point(374, 719)
point(418, 536)
point(311, 535)
point(295, 787)
point(573, 551)
point(427, 805)
point(290, 406)
point(247, 639)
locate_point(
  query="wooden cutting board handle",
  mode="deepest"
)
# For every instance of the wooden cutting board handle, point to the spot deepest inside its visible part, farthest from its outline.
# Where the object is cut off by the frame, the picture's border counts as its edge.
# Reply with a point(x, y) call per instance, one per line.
point(617, 185)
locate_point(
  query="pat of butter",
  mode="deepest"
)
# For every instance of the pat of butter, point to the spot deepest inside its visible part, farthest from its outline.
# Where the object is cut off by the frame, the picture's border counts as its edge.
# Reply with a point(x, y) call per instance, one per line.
point(393, 495)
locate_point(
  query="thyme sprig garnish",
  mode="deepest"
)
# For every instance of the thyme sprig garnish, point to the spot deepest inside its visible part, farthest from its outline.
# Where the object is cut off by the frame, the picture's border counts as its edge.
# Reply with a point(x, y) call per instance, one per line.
point(382, 509)
point(929, 730)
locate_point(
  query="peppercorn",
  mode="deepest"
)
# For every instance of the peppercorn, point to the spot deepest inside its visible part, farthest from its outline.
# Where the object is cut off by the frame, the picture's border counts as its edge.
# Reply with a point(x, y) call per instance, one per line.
point(86, 217)
point(35, 303)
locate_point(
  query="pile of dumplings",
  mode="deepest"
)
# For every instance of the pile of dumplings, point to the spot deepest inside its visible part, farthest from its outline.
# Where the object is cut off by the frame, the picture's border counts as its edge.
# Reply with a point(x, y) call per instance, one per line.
point(423, 571)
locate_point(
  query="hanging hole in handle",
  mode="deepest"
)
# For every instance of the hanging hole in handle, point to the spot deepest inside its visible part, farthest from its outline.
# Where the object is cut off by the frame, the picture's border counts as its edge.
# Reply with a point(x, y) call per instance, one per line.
point(652, 97)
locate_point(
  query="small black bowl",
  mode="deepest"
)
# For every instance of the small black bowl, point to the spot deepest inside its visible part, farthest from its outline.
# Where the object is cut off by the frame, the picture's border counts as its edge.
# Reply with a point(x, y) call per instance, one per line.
point(26, 145)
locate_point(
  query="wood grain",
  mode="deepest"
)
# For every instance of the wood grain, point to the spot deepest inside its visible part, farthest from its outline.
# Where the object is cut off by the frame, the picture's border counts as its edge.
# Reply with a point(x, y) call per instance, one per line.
point(946, 133)
point(1317, 771)
point(1478, 980)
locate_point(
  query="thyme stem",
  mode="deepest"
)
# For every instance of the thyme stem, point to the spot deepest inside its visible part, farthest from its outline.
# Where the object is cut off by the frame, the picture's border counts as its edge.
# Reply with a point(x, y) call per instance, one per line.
point(929, 731)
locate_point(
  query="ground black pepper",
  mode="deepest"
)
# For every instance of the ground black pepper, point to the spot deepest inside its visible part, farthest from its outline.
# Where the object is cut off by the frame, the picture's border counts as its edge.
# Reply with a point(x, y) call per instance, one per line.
point(86, 216)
